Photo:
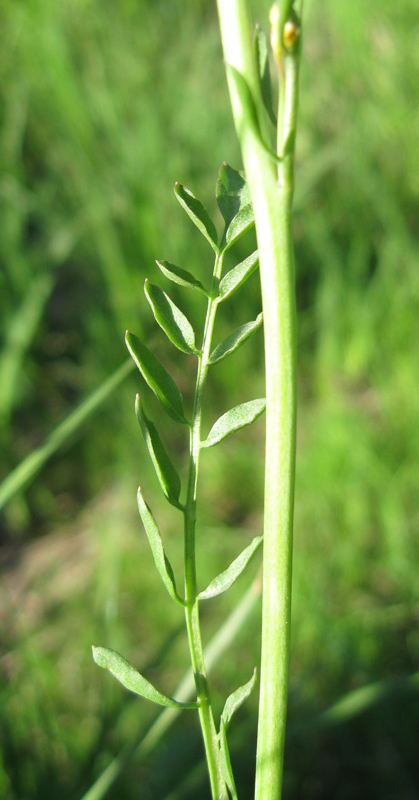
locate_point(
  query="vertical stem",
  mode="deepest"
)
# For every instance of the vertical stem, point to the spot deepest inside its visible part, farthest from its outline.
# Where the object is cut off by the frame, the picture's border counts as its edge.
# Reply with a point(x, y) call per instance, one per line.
point(218, 788)
point(271, 190)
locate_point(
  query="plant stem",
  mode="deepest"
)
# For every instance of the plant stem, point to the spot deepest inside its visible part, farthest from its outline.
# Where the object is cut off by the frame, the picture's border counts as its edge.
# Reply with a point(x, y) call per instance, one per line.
point(271, 189)
point(209, 733)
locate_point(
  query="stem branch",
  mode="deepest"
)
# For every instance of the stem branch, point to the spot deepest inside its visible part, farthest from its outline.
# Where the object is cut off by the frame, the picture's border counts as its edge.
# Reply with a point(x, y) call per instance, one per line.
point(218, 788)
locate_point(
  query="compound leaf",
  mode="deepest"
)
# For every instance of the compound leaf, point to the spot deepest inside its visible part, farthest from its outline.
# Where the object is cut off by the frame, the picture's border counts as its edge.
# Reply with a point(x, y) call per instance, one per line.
point(180, 276)
point(198, 214)
point(126, 674)
point(171, 319)
point(160, 559)
point(168, 478)
point(233, 420)
point(226, 579)
point(233, 279)
point(159, 381)
point(234, 340)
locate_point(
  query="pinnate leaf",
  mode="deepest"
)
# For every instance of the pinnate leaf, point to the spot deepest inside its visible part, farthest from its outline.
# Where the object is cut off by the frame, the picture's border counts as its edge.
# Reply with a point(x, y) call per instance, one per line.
point(158, 379)
point(226, 579)
point(235, 340)
point(233, 279)
point(160, 559)
point(126, 674)
point(198, 214)
point(233, 420)
point(180, 276)
point(168, 478)
point(171, 319)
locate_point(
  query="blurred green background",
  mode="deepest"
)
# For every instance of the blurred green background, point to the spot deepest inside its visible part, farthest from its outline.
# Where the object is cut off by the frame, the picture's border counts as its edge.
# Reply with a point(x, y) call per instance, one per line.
point(104, 105)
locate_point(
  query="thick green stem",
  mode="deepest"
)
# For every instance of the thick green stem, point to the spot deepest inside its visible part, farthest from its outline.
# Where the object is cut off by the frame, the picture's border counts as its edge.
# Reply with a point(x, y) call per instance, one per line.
point(218, 788)
point(271, 190)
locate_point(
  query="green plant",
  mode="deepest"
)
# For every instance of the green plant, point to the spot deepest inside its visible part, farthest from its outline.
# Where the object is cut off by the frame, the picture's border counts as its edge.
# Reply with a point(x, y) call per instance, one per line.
point(266, 199)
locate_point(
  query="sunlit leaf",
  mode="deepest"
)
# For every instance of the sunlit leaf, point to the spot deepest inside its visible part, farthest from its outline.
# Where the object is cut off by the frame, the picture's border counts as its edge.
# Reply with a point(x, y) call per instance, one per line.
point(233, 279)
point(233, 703)
point(180, 276)
point(226, 579)
point(126, 674)
point(226, 768)
point(232, 192)
point(237, 699)
point(160, 559)
point(161, 383)
point(238, 226)
point(197, 213)
point(166, 473)
point(233, 198)
point(262, 59)
point(233, 420)
point(232, 342)
point(171, 319)
point(240, 88)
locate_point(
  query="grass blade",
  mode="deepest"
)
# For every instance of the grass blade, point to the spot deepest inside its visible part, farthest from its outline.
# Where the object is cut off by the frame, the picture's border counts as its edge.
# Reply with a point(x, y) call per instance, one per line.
point(31, 465)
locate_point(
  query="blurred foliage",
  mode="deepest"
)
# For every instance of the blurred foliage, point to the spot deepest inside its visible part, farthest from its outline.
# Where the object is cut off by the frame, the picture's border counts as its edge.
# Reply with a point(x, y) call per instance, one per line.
point(104, 106)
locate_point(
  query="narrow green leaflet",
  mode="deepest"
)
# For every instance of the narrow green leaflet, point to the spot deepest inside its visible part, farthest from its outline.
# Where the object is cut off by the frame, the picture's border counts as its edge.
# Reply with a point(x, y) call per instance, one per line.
point(198, 214)
point(233, 199)
point(180, 276)
point(233, 420)
point(160, 559)
point(232, 192)
point(226, 579)
point(159, 381)
point(237, 698)
point(226, 768)
point(171, 319)
point(238, 226)
point(235, 340)
point(233, 279)
point(247, 103)
point(168, 478)
point(262, 58)
point(233, 703)
point(126, 674)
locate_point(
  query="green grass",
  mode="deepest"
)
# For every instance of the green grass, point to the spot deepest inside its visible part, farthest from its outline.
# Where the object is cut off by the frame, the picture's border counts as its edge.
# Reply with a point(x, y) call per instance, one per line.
point(97, 102)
